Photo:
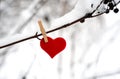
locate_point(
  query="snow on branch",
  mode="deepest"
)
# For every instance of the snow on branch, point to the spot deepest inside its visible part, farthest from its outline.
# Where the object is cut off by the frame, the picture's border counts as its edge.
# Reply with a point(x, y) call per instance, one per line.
point(88, 12)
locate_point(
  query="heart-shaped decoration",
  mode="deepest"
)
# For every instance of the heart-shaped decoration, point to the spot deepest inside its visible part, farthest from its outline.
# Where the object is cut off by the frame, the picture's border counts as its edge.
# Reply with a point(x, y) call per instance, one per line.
point(53, 46)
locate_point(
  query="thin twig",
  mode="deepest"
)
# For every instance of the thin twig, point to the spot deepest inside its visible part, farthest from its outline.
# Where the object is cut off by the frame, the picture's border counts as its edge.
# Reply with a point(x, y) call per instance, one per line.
point(88, 15)
point(97, 7)
point(105, 75)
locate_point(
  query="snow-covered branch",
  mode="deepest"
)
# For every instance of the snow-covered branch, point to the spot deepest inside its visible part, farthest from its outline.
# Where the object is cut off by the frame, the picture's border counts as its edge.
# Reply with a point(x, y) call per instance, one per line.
point(88, 12)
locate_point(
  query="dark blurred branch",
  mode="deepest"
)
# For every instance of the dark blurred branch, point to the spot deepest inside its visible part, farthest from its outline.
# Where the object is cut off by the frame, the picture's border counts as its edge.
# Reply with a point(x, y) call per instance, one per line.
point(37, 7)
point(88, 15)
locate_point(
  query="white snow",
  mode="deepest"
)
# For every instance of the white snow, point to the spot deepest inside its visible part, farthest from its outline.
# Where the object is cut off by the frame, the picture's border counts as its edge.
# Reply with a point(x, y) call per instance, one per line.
point(90, 40)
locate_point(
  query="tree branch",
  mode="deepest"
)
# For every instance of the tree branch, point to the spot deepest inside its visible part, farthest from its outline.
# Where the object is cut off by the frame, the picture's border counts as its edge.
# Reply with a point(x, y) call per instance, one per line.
point(88, 15)
point(105, 75)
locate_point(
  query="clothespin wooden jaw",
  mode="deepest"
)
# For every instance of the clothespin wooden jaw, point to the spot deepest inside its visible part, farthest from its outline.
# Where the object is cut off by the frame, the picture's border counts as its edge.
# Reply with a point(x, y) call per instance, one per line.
point(43, 31)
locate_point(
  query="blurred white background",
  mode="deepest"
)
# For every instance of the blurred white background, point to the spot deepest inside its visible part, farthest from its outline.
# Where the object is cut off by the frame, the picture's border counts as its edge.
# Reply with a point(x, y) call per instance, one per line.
point(92, 51)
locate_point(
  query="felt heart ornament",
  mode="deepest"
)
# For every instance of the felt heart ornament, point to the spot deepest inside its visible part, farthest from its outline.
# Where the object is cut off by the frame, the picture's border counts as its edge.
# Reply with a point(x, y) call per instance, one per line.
point(53, 46)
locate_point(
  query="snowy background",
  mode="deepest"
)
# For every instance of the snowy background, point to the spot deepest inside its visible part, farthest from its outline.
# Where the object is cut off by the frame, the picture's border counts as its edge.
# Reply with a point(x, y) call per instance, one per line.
point(92, 51)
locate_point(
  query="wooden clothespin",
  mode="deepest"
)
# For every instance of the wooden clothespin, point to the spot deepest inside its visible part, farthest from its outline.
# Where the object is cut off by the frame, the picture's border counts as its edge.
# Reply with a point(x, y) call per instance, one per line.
point(43, 31)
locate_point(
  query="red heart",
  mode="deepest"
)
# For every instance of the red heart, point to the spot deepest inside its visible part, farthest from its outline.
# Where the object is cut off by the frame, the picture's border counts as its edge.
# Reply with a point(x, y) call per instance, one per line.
point(53, 46)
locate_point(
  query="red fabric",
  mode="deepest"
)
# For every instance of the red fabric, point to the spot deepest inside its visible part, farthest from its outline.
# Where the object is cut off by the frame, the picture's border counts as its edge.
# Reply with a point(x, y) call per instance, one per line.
point(53, 46)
